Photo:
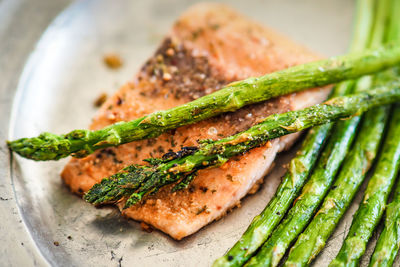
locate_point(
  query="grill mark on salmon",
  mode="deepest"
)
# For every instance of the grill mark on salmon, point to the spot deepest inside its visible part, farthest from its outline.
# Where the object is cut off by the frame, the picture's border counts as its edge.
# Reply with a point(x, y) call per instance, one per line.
point(209, 46)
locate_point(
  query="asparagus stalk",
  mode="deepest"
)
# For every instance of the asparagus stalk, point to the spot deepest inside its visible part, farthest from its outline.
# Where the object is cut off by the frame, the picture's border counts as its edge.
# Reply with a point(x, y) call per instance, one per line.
point(376, 195)
point(310, 197)
point(379, 187)
point(356, 165)
point(389, 241)
point(335, 150)
point(364, 23)
point(293, 180)
point(394, 27)
point(263, 224)
point(80, 143)
point(137, 181)
point(312, 193)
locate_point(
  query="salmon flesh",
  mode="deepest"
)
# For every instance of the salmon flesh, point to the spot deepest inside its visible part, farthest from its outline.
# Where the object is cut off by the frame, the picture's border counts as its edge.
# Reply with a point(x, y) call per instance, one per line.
point(209, 46)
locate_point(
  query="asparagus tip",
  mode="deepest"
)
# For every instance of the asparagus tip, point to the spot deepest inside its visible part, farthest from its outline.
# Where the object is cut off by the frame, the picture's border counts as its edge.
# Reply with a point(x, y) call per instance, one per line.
point(46, 146)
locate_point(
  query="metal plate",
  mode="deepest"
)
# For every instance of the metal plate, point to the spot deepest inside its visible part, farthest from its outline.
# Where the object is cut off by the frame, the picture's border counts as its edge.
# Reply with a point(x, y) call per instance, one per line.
point(56, 91)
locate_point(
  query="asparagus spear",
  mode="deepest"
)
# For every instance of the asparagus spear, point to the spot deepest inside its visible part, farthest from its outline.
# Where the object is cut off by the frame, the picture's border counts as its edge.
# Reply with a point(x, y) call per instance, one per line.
point(137, 181)
point(356, 164)
point(312, 193)
point(394, 27)
point(379, 187)
point(80, 143)
point(293, 180)
point(327, 165)
point(310, 197)
point(263, 224)
point(376, 195)
point(389, 241)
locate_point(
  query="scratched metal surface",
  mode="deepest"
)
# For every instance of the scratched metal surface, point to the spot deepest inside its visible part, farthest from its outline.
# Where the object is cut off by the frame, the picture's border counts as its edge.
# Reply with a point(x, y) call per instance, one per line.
point(55, 93)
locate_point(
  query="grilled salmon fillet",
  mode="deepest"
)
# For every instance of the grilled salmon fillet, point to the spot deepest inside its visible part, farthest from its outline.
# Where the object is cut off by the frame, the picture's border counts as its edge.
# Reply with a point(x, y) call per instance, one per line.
point(209, 46)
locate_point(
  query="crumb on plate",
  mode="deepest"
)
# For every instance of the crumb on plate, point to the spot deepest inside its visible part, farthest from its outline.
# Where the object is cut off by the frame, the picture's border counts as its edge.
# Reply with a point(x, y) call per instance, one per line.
point(113, 61)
